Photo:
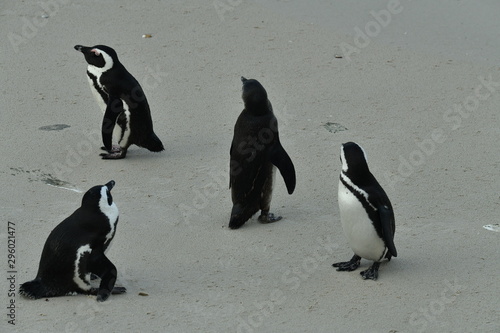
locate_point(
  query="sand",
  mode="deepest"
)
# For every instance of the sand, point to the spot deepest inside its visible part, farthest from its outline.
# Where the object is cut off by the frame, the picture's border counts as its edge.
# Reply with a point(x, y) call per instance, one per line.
point(415, 83)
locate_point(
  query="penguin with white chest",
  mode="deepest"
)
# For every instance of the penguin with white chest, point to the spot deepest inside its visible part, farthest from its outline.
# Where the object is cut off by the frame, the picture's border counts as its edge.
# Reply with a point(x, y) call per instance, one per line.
point(127, 117)
point(255, 152)
point(366, 213)
point(75, 251)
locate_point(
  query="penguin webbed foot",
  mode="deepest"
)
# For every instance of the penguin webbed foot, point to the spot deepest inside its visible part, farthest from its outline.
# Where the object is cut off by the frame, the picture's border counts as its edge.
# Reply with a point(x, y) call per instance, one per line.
point(268, 218)
point(114, 149)
point(118, 290)
point(348, 265)
point(103, 295)
point(371, 273)
point(114, 155)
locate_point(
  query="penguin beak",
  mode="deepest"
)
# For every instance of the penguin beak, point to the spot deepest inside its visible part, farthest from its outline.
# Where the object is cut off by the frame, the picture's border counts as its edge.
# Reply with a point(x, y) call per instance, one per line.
point(83, 49)
point(110, 184)
point(244, 79)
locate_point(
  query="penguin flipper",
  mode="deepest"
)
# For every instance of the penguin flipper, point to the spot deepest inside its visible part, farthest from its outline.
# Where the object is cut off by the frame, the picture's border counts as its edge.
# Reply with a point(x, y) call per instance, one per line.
point(371, 273)
point(230, 164)
point(101, 266)
point(113, 110)
point(279, 157)
point(234, 166)
point(348, 265)
point(387, 222)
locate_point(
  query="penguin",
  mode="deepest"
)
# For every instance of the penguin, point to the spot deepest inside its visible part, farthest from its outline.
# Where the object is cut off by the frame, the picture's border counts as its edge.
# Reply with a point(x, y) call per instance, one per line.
point(255, 153)
point(127, 117)
point(74, 252)
point(366, 213)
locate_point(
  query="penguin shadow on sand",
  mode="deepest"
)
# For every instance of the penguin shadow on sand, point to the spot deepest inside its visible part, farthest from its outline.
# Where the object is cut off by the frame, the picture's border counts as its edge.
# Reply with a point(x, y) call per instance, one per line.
point(74, 254)
point(255, 154)
point(366, 213)
point(127, 117)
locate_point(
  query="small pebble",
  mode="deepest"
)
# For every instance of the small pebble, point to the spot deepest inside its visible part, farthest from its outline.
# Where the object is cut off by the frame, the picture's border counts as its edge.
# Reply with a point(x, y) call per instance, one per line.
point(147, 36)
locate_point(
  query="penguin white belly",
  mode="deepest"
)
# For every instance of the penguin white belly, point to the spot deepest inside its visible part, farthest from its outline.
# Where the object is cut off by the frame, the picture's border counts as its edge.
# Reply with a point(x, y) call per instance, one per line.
point(358, 228)
point(96, 94)
point(121, 135)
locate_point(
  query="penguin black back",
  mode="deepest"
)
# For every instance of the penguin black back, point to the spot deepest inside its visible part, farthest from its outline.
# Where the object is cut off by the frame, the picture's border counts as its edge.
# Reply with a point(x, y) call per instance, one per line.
point(76, 248)
point(127, 117)
point(354, 163)
point(255, 150)
point(355, 168)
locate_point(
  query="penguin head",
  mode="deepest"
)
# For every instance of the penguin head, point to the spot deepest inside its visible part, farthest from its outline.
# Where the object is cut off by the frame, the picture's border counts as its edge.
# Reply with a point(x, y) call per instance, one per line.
point(254, 95)
point(353, 158)
point(100, 56)
point(99, 197)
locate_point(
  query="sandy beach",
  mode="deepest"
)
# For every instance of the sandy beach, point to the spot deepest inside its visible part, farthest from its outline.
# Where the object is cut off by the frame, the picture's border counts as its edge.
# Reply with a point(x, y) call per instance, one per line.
point(417, 84)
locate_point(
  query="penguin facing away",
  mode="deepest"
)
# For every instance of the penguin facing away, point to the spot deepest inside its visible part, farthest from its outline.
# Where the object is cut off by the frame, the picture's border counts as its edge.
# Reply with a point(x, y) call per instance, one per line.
point(75, 251)
point(255, 153)
point(366, 213)
point(127, 117)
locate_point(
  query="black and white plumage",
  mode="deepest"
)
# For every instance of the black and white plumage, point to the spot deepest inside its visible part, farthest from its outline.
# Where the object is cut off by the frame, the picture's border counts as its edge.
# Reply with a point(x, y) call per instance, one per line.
point(75, 251)
point(127, 117)
point(365, 211)
point(255, 152)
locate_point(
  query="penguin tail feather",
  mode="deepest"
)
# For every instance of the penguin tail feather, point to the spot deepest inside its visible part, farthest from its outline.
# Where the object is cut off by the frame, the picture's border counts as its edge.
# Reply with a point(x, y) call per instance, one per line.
point(236, 222)
point(240, 214)
point(153, 143)
point(33, 289)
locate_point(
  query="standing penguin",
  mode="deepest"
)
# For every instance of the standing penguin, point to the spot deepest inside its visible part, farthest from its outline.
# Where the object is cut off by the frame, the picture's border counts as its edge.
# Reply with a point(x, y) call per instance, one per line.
point(75, 250)
point(127, 118)
point(366, 213)
point(255, 151)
